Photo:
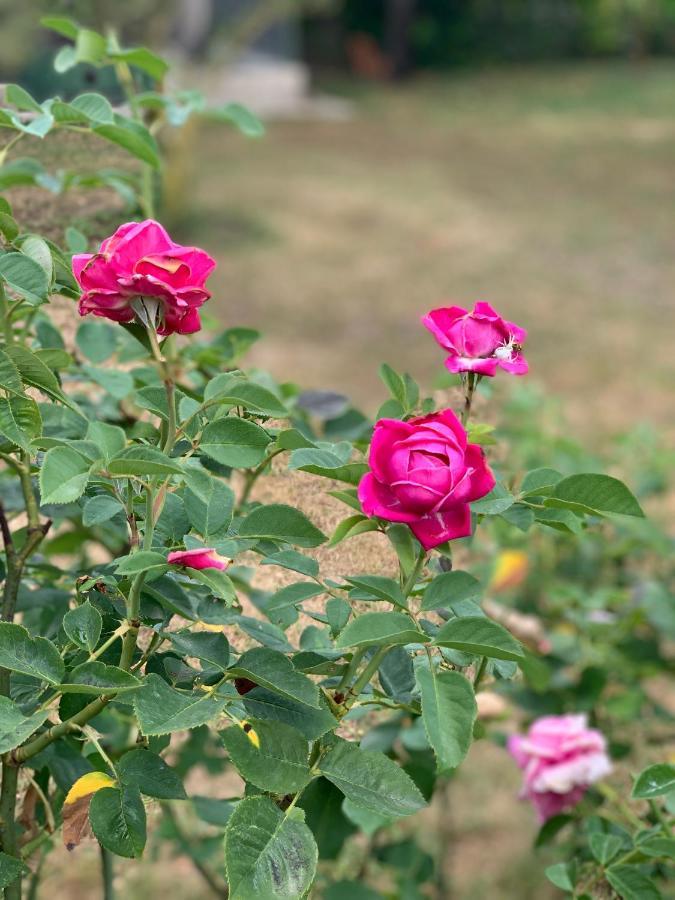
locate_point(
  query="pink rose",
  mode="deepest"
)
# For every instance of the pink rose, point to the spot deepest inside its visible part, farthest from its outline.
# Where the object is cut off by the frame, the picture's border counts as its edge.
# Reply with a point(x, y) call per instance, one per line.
point(141, 266)
point(425, 474)
point(560, 757)
point(201, 558)
point(478, 341)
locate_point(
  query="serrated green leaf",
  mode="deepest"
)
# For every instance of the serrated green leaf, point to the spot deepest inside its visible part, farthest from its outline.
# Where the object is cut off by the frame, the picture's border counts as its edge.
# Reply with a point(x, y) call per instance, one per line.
point(143, 461)
point(279, 522)
point(210, 647)
point(268, 855)
point(15, 727)
point(479, 635)
point(100, 509)
point(141, 561)
point(375, 629)
point(450, 587)
point(132, 137)
point(151, 775)
point(83, 626)
point(310, 722)
point(448, 712)
point(96, 677)
point(95, 107)
point(235, 442)
point(277, 760)
point(631, 884)
point(654, 781)
point(25, 276)
point(161, 709)
point(592, 493)
point(208, 502)
point(274, 671)
point(20, 421)
point(117, 818)
point(63, 476)
point(371, 779)
point(37, 657)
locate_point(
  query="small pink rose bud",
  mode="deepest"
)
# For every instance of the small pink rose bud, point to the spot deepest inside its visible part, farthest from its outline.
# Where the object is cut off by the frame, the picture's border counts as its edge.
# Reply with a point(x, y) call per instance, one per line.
point(201, 558)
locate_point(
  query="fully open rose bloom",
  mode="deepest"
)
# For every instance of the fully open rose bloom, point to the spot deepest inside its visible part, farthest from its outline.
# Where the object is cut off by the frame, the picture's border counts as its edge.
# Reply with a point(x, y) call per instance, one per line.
point(424, 473)
point(479, 341)
point(560, 757)
point(141, 271)
point(201, 558)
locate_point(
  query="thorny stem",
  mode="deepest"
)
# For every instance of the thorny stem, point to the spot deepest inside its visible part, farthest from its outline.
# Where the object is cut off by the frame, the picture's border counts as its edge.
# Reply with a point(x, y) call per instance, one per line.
point(254, 475)
point(6, 317)
point(470, 385)
point(134, 599)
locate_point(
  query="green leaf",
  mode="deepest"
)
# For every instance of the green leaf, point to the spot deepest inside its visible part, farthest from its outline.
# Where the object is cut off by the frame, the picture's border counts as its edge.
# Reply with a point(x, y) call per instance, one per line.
point(448, 712)
point(371, 779)
point(312, 723)
point(494, 503)
point(274, 671)
point(110, 439)
point(35, 373)
point(133, 137)
point(161, 709)
point(654, 781)
point(279, 522)
point(140, 561)
point(380, 587)
point(20, 421)
point(83, 626)
point(15, 727)
point(374, 629)
point(117, 818)
point(10, 869)
point(10, 377)
point(217, 582)
point(90, 46)
point(148, 772)
point(595, 494)
point(37, 657)
point(61, 25)
point(232, 390)
point(479, 635)
point(96, 340)
point(21, 99)
point(268, 855)
point(658, 847)
point(38, 250)
point(143, 59)
point(143, 461)
point(96, 677)
point(240, 117)
point(279, 762)
point(115, 382)
point(539, 482)
point(604, 847)
point(559, 874)
point(25, 276)
point(100, 509)
point(449, 588)
point(208, 502)
point(235, 442)
point(296, 562)
point(210, 647)
point(290, 596)
point(630, 883)
point(351, 527)
point(95, 107)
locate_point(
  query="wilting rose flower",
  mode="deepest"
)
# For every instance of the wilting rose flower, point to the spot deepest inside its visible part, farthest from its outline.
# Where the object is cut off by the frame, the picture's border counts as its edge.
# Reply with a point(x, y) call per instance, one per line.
point(424, 473)
point(560, 757)
point(478, 341)
point(201, 558)
point(140, 272)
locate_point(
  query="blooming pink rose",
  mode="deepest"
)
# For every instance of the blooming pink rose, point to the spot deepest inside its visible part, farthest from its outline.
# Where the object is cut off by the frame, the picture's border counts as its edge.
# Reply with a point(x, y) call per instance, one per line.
point(478, 341)
point(141, 262)
point(425, 474)
point(201, 558)
point(560, 757)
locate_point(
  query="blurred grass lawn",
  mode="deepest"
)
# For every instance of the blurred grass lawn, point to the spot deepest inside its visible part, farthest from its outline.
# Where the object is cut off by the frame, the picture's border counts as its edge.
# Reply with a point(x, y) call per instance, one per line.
point(548, 192)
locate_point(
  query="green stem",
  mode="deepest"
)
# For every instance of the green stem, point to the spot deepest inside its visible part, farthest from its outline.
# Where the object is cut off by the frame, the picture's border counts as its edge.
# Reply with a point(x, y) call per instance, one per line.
point(107, 874)
point(469, 388)
point(8, 831)
point(352, 666)
point(134, 598)
point(6, 316)
point(253, 476)
point(411, 580)
point(21, 754)
point(368, 672)
point(480, 673)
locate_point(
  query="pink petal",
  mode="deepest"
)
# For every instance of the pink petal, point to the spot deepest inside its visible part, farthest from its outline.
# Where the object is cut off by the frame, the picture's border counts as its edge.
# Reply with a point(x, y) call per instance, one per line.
point(457, 364)
point(378, 500)
point(444, 526)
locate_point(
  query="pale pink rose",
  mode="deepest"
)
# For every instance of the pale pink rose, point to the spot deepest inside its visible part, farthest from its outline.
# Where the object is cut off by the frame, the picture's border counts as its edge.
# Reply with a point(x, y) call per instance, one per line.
point(560, 757)
point(424, 473)
point(201, 558)
point(141, 266)
point(479, 341)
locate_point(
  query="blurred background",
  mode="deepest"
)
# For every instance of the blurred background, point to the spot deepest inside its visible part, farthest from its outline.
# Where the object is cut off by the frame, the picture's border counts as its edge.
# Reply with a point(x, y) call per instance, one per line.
point(418, 152)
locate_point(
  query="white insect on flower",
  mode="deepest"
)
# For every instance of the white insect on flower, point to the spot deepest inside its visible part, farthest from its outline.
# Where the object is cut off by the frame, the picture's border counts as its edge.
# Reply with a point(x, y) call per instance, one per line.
point(508, 348)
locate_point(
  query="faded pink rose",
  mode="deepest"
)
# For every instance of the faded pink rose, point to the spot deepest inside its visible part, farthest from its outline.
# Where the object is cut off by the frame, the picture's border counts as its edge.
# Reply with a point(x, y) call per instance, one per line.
point(478, 341)
point(424, 473)
point(560, 757)
point(140, 271)
point(201, 558)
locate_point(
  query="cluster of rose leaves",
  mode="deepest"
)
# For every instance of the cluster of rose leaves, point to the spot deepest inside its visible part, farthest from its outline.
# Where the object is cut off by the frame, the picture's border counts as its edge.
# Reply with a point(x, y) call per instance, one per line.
point(423, 471)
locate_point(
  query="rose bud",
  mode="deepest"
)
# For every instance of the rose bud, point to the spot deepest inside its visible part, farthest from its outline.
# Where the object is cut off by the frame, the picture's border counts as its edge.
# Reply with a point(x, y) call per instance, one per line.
point(140, 273)
point(560, 757)
point(424, 473)
point(479, 341)
point(201, 558)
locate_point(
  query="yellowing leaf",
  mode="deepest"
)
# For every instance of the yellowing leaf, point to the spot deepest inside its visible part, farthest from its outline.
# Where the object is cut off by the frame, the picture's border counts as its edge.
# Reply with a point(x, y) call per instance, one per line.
point(510, 571)
point(250, 733)
point(88, 784)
